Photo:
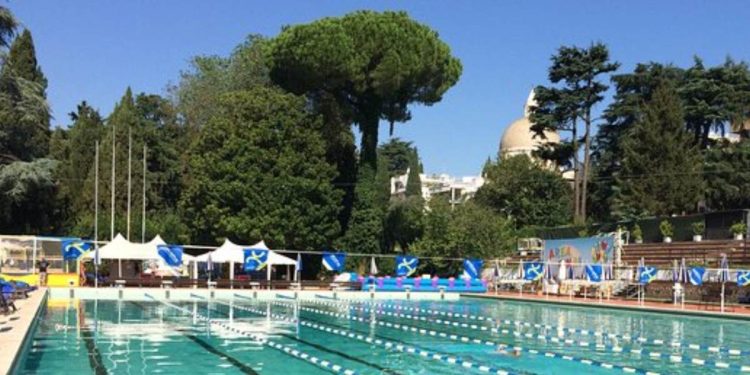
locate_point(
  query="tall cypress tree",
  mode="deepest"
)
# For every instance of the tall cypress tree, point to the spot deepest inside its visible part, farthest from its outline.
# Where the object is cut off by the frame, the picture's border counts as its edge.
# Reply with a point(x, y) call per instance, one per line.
point(661, 165)
point(24, 113)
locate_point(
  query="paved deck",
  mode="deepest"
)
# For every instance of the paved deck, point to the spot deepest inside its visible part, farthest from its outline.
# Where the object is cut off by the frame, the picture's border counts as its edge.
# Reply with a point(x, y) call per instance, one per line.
point(11, 341)
point(731, 311)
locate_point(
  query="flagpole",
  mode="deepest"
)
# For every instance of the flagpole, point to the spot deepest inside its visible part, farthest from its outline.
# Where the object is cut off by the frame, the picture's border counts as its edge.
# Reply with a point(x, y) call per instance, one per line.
point(96, 215)
point(143, 199)
point(112, 200)
point(130, 158)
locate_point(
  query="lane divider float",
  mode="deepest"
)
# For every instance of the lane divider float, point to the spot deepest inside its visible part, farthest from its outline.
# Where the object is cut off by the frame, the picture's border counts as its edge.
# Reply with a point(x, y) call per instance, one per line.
point(325, 364)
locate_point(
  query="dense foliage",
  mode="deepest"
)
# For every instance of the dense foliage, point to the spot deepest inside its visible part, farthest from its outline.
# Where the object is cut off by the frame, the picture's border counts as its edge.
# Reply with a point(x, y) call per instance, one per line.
point(525, 192)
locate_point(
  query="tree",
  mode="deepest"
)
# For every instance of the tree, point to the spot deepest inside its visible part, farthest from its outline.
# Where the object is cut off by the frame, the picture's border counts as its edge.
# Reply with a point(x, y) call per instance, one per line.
point(661, 166)
point(27, 191)
point(398, 156)
point(469, 231)
point(24, 113)
point(373, 64)
point(259, 171)
point(632, 90)
point(8, 26)
point(715, 98)
point(563, 108)
point(525, 192)
point(413, 180)
point(727, 176)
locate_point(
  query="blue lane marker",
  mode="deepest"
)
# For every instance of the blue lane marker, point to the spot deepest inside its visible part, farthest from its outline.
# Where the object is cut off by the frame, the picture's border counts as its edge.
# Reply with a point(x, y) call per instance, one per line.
point(283, 348)
point(546, 338)
point(466, 339)
point(585, 332)
point(384, 343)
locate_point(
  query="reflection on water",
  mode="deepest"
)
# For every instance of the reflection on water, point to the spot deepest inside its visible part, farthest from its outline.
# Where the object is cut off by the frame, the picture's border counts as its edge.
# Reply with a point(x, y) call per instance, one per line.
point(132, 337)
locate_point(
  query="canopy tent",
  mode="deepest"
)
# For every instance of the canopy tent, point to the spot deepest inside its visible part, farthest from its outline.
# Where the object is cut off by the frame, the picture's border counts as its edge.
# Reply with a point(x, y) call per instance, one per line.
point(230, 252)
point(122, 249)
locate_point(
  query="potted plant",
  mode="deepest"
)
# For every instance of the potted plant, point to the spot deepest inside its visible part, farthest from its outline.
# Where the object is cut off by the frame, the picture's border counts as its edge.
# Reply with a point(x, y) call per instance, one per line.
point(738, 229)
point(698, 228)
point(667, 230)
point(637, 233)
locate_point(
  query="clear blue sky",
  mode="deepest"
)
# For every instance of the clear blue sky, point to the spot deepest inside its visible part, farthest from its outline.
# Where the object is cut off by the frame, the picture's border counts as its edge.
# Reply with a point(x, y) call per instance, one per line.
point(92, 50)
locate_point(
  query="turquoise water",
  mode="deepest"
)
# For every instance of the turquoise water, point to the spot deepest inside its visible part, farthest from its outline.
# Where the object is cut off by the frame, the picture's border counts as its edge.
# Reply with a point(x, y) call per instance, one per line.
point(129, 337)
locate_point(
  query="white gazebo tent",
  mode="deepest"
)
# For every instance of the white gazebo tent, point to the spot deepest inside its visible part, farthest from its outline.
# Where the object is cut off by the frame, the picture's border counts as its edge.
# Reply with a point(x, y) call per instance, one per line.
point(230, 252)
point(120, 248)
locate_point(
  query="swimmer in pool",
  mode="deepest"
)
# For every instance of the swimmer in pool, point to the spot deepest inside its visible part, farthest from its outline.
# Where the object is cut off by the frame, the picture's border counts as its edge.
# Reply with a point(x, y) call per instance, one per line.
point(62, 327)
point(513, 352)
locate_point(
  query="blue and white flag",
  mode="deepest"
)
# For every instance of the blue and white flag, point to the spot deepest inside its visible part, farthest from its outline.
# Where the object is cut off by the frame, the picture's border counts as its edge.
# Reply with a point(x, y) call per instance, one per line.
point(696, 275)
point(255, 259)
point(646, 274)
point(406, 265)
point(73, 249)
point(172, 255)
point(334, 261)
point(743, 278)
point(473, 268)
point(594, 272)
point(533, 271)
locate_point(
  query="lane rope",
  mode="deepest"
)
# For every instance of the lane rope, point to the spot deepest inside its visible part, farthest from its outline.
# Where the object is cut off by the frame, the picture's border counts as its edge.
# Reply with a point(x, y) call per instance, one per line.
point(474, 340)
point(389, 345)
point(654, 355)
point(325, 364)
point(585, 332)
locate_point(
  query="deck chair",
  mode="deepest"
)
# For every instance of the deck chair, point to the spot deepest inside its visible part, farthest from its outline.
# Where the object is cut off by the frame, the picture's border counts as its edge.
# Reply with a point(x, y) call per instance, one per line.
point(6, 302)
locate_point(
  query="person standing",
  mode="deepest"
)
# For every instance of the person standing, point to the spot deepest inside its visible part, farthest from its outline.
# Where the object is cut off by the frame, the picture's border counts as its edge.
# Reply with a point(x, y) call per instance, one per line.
point(43, 265)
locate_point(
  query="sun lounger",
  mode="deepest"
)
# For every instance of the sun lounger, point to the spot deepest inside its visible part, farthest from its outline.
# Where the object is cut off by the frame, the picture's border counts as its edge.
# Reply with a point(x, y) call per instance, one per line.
point(6, 302)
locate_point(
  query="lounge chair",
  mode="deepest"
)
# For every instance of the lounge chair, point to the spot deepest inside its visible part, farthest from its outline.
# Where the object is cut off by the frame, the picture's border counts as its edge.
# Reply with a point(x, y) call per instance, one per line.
point(16, 289)
point(6, 301)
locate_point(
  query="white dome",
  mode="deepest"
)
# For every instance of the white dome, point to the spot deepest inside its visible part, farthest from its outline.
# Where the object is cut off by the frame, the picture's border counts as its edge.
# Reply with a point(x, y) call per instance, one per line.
point(518, 137)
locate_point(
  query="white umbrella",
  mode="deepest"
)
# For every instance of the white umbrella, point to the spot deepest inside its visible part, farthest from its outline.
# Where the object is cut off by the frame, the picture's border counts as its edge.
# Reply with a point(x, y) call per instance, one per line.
point(373, 267)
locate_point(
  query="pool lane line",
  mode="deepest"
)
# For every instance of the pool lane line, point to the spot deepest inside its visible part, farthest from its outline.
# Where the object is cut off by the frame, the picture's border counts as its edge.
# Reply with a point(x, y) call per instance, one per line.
point(95, 356)
point(640, 339)
point(245, 369)
point(654, 355)
point(467, 339)
point(327, 365)
point(388, 344)
point(375, 366)
point(545, 338)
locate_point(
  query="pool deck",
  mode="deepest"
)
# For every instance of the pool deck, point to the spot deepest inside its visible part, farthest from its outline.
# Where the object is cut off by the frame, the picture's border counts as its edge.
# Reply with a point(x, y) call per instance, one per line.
point(732, 311)
point(12, 341)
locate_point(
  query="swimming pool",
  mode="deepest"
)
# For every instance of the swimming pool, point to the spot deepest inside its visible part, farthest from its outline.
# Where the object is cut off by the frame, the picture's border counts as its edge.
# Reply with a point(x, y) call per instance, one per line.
point(242, 335)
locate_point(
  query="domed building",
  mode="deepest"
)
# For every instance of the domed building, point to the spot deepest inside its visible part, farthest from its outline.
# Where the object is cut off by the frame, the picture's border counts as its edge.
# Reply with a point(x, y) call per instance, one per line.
point(519, 139)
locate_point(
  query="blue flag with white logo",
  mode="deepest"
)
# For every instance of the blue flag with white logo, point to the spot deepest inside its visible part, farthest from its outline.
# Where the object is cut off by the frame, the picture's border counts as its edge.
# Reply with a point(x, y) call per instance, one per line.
point(594, 272)
point(646, 274)
point(696, 275)
point(533, 271)
point(73, 249)
point(473, 267)
point(406, 265)
point(255, 259)
point(334, 261)
point(743, 278)
point(172, 255)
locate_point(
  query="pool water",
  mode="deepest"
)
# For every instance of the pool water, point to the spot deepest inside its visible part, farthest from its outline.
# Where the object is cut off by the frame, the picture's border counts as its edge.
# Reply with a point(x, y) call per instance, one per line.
point(323, 336)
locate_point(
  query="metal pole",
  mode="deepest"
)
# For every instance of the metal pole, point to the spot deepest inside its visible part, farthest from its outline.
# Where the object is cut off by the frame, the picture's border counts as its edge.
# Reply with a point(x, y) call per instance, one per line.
point(96, 215)
point(143, 198)
point(112, 203)
point(130, 157)
point(722, 296)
